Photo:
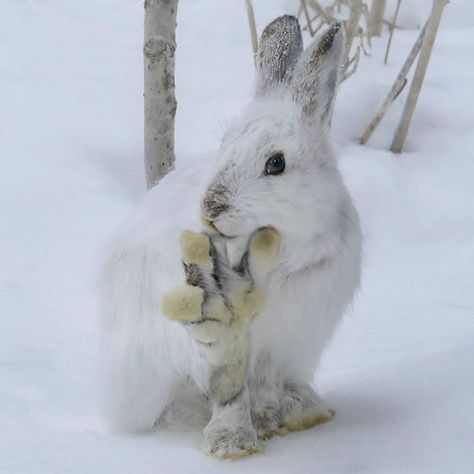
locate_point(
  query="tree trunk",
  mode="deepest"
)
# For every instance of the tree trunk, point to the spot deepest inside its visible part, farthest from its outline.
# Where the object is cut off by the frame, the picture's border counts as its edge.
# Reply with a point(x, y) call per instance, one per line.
point(159, 96)
point(377, 11)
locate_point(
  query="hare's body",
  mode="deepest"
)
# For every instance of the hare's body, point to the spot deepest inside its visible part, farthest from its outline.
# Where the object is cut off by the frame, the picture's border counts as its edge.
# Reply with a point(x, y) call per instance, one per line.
point(157, 373)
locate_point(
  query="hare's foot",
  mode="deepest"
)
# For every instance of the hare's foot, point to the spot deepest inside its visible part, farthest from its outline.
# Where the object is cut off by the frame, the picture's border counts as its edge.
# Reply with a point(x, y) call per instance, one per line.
point(267, 423)
point(302, 408)
point(265, 388)
point(230, 433)
point(187, 409)
point(226, 442)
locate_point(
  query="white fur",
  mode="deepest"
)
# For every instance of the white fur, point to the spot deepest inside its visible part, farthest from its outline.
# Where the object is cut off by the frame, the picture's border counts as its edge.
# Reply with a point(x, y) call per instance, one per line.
point(310, 285)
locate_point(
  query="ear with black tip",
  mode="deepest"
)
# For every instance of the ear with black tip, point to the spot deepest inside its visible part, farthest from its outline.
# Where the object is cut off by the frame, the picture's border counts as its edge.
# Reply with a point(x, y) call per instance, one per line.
point(316, 76)
point(278, 52)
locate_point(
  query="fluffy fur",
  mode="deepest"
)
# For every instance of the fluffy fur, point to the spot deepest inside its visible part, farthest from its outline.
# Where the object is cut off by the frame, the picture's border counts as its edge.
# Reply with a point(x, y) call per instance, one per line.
point(307, 285)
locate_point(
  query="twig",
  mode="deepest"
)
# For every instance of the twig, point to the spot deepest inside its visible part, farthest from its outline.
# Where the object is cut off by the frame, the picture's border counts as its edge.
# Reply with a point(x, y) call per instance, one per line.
point(315, 17)
point(377, 11)
point(390, 23)
point(397, 87)
point(392, 29)
point(319, 9)
point(252, 26)
point(420, 71)
point(365, 10)
point(308, 19)
point(351, 29)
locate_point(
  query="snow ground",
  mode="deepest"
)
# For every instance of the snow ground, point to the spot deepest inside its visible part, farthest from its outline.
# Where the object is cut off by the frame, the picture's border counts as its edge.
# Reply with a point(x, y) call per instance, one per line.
point(400, 372)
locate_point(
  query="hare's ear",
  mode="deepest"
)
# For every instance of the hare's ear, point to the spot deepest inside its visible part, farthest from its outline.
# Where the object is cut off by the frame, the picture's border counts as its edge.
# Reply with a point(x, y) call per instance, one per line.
point(278, 52)
point(316, 76)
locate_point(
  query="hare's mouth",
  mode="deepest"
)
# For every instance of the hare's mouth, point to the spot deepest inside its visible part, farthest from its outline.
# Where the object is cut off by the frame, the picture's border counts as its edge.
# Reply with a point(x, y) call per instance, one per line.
point(212, 227)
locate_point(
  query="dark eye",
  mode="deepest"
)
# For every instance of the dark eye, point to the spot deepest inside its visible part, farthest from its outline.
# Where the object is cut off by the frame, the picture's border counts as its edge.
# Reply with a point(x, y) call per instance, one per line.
point(275, 164)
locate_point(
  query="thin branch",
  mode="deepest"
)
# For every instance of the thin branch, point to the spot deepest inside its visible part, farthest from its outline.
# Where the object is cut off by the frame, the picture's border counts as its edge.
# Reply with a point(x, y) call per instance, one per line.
point(377, 11)
point(392, 29)
point(252, 26)
point(397, 88)
point(420, 71)
point(351, 29)
point(314, 4)
point(306, 15)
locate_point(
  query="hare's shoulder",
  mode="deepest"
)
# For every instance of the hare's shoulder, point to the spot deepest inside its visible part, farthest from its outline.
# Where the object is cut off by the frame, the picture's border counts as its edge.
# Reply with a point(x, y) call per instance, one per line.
point(174, 203)
point(151, 236)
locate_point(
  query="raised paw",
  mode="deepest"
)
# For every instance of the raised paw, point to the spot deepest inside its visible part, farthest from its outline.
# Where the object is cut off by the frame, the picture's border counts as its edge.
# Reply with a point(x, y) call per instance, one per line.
point(199, 304)
point(183, 303)
point(218, 299)
point(302, 408)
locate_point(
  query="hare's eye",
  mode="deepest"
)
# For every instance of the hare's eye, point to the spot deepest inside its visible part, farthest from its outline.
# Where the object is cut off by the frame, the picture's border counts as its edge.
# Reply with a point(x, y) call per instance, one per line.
point(275, 164)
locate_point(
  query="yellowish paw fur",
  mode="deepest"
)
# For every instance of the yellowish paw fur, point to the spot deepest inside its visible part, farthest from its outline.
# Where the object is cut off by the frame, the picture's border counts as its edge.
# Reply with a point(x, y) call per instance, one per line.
point(217, 309)
point(246, 303)
point(237, 454)
point(271, 433)
point(264, 244)
point(183, 303)
point(194, 247)
point(306, 422)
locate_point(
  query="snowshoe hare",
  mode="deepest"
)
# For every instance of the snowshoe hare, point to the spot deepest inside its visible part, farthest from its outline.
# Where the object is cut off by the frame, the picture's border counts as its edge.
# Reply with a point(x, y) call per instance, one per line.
point(221, 326)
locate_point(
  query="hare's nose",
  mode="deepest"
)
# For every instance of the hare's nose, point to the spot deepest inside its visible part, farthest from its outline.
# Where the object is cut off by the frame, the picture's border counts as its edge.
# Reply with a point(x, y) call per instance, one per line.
point(215, 202)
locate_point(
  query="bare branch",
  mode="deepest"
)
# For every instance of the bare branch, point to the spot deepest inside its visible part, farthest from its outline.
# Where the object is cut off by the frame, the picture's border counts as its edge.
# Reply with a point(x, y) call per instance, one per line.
point(304, 7)
point(420, 71)
point(397, 87)
point(351, 29)
point(377, 11)
point(392, 29)
point(252, 26)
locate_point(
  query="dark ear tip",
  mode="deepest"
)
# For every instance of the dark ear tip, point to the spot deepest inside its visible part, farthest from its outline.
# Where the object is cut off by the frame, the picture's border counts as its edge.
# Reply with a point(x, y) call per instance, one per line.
point(289, 22)
point(327, 40)
point(335, 27)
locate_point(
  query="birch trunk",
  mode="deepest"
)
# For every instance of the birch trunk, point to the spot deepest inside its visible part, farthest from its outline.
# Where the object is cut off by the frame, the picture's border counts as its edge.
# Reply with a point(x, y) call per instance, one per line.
point(159, 96)
point(377, 11)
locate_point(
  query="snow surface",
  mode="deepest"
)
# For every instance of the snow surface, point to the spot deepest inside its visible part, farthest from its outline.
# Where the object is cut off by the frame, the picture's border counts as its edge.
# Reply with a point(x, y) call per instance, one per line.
point(400, 371)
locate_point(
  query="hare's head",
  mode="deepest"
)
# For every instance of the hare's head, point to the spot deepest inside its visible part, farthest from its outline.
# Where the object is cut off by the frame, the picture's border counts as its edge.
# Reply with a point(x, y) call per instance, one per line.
point(276, 166)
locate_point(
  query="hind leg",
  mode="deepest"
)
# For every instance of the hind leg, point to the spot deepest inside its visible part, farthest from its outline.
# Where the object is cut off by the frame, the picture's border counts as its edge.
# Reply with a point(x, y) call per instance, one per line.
point(266, 385)
point(188, 409)
point(136, 388)
point(302, 408)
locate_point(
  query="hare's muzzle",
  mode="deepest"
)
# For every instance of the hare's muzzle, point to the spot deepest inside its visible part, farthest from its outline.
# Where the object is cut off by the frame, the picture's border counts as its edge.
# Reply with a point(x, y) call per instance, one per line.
point(215, 202)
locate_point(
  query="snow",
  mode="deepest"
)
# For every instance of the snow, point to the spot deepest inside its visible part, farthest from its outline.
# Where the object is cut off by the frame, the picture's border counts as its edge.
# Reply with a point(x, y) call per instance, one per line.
point(400, 371)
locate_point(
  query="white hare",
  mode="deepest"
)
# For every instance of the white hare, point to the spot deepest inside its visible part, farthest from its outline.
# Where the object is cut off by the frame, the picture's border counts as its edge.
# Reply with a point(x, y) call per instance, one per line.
point(257, 294)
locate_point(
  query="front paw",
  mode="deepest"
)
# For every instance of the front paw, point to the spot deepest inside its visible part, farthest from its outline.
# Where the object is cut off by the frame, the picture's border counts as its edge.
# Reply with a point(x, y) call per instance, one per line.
point(227, 442)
